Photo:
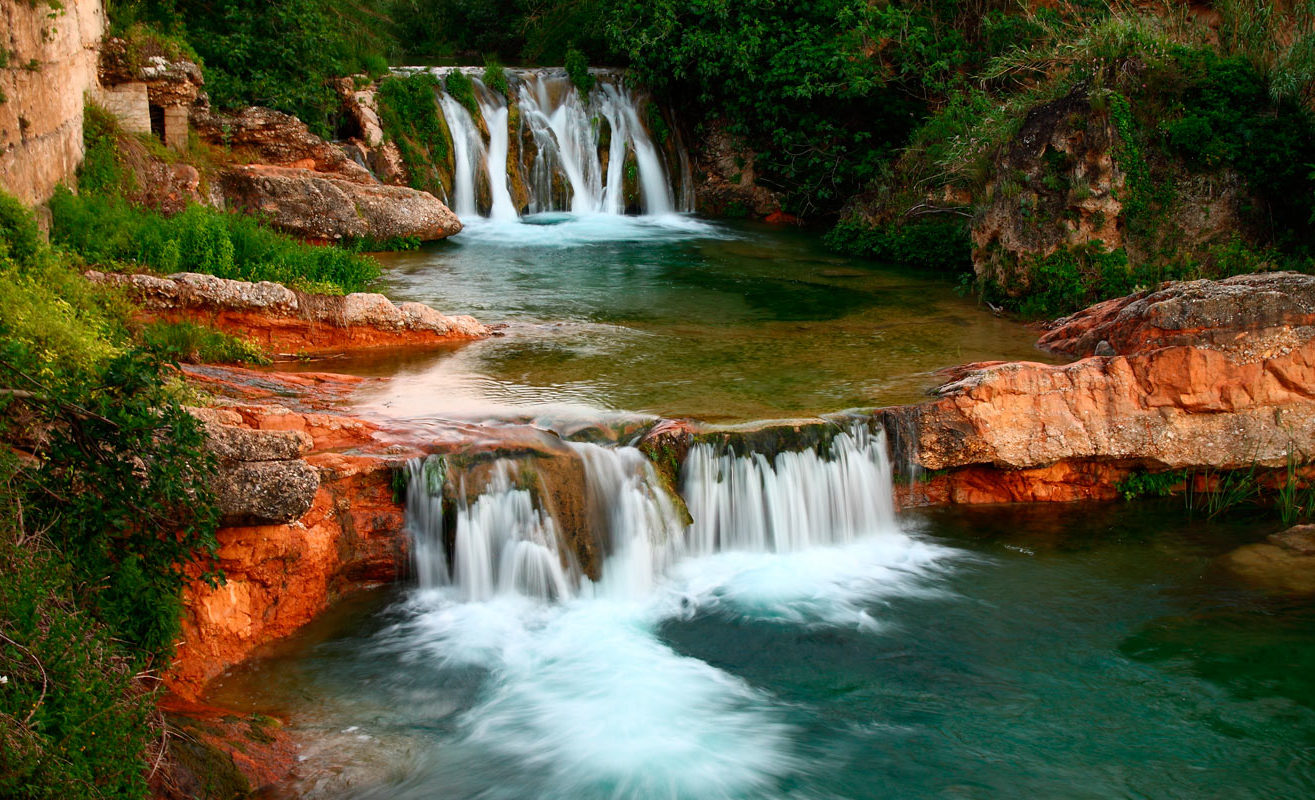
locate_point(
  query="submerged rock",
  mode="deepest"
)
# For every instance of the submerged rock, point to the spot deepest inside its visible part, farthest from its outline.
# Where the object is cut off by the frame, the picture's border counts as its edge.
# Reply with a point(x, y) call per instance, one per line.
point(1284, 563)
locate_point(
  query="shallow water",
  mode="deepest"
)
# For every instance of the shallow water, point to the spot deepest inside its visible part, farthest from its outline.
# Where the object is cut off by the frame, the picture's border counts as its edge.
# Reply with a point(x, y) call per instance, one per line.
point(674, 316)
point(984, 654)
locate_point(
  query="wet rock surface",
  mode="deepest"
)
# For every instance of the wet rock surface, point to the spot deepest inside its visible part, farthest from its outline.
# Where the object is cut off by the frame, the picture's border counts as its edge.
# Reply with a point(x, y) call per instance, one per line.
point(1284, 563)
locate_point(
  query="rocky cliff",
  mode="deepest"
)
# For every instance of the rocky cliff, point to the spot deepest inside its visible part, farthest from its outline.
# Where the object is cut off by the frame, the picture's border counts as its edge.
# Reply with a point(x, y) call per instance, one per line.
point(48, 60)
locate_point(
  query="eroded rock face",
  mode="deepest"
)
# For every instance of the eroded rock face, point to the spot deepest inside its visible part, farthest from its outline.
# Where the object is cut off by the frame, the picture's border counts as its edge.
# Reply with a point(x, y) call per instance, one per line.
point(41, 116)
point(1251, 311)
point(1060, 167)
point(726, 180)
point(284, 321)
point(274, 138)
point(1204, 374)
point(312, 205)
point(279, 576)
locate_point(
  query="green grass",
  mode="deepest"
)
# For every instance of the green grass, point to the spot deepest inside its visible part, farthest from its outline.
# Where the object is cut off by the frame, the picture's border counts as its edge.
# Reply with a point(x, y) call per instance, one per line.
point(110, 231)
point(190, 343)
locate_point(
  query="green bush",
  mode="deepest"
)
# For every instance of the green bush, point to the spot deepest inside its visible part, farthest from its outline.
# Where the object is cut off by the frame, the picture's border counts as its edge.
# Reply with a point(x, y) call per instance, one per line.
point(577, 69)
point(462, 88)
point(72, 724)
point(941, 246)
point(495, 77)
point(102, 520)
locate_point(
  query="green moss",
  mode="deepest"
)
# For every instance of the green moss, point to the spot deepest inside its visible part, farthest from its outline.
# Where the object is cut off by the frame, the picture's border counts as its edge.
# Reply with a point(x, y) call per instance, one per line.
point(462, 89)
point(411, 119)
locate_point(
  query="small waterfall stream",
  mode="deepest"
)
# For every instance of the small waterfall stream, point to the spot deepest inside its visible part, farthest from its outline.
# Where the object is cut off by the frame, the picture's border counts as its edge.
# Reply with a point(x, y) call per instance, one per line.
point(504, 542)
point(548, 148)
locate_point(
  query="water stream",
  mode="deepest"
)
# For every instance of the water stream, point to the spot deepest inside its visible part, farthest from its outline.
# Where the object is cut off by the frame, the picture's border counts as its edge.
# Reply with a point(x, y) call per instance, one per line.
point(763, 624)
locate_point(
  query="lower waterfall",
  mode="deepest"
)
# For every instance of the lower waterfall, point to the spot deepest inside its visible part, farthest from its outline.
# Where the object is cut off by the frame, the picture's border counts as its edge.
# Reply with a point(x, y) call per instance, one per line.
point(583, 697)
point(505, 542)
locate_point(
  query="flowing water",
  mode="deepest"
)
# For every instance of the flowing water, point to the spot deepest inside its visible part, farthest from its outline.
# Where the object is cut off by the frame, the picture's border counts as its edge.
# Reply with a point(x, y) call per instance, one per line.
point(771, 628)
point(800, 641)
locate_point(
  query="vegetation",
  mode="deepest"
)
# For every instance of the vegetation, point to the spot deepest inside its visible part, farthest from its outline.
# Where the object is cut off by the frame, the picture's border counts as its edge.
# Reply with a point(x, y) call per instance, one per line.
point(282, 54)
point(105, 511)
point(101, 226)
point(411, 119)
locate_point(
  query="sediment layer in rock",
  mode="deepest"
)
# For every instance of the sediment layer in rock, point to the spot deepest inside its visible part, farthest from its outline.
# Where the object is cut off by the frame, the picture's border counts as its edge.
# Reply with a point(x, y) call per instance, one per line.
point(284, 321)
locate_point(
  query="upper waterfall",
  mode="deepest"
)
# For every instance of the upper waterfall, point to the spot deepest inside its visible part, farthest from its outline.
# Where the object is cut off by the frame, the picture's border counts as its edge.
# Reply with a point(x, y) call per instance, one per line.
point(547, 147)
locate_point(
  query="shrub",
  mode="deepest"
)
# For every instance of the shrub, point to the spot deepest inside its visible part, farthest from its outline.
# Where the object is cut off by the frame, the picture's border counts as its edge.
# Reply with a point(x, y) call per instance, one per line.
point(495, 77)
point(462, 88)
point(577, 69)
point(932, 246)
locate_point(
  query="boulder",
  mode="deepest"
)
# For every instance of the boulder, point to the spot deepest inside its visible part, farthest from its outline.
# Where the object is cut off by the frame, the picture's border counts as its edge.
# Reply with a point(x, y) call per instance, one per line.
point(1247, 311)
point(272, 137)
point(262, 492)
point(262, 477)
point(318, 206)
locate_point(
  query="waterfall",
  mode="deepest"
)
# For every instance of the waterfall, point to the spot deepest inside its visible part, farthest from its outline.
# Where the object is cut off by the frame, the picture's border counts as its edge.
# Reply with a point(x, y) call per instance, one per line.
point(795, 501)
point(505, 542)
point(547, 148)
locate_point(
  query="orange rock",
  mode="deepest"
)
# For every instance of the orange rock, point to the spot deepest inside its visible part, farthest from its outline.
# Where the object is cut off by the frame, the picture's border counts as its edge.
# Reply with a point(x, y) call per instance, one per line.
point(280, 577)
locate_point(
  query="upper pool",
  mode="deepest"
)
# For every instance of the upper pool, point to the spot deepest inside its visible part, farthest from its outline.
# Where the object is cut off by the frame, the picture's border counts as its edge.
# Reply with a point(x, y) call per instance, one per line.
point(674, 316)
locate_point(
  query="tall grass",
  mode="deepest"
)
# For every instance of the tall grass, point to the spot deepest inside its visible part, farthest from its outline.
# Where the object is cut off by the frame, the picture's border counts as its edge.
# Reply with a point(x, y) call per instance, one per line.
point(109, 230)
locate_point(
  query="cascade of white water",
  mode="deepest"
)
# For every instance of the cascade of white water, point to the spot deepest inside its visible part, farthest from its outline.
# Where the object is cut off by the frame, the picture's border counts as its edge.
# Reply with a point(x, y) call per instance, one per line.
point(468, 155)
point(505, 544)
point(794, 501)
point(424, 518)
point(642, 530)
point(568, 170)
point(493, 107)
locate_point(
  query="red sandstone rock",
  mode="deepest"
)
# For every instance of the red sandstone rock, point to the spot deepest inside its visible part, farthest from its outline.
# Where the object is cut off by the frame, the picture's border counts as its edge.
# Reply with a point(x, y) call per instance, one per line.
point(281, 320)
point(280, 577)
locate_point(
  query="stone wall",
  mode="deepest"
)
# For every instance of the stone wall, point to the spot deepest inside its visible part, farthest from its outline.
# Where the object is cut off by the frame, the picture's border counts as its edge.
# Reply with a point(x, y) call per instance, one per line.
point(52, 62)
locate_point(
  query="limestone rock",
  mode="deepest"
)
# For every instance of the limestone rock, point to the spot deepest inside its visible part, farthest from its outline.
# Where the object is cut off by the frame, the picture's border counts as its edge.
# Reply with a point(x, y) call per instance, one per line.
point(285, 321)
point(1284, 563)
point(272, 137)
point(265, 491)
point(318, 206)
point(262, 477)
point(232, 443)
point(41, 117)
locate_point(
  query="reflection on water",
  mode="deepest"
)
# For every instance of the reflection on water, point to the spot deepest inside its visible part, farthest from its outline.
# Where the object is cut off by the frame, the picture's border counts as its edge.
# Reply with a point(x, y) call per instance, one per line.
point(677, 317)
